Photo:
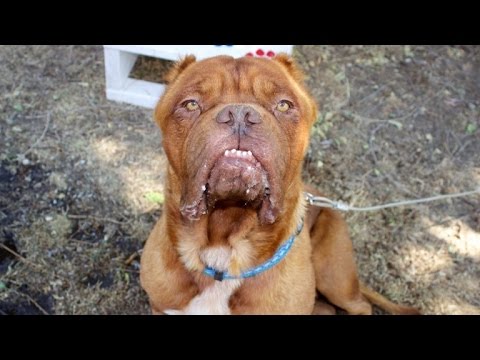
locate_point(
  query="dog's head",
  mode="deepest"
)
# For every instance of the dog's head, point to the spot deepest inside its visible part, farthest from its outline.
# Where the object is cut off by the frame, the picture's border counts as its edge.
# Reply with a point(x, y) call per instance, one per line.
point(235, 132)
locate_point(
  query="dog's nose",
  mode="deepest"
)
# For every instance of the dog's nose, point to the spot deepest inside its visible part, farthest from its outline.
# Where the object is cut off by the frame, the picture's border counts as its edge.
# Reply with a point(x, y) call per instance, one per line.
point(239, 116)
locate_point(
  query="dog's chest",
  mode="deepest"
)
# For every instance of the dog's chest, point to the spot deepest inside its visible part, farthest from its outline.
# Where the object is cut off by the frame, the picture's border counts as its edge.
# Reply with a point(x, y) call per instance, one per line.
point(213, 299)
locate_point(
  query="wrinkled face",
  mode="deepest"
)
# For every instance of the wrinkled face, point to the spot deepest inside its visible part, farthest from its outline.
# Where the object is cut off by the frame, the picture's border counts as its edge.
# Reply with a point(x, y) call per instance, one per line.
point(235, 132)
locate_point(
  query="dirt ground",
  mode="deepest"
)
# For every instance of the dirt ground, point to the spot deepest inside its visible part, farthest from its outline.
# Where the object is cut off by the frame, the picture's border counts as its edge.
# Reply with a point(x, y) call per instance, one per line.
point(81, 177)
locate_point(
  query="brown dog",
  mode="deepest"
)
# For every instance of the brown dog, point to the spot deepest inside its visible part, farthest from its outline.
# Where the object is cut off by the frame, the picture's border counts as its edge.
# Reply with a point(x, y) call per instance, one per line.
point(235, 135)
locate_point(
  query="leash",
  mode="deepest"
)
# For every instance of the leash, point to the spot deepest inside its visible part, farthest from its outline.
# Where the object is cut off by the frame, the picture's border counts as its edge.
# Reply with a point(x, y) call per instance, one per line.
point(339, 205)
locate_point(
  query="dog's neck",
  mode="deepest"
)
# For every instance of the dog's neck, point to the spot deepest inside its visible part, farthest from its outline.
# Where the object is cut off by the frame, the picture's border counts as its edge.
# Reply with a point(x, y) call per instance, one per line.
point(233, 231)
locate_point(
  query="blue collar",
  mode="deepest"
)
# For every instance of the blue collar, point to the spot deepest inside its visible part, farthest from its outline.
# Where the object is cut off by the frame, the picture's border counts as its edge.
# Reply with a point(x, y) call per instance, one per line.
point(281, 252)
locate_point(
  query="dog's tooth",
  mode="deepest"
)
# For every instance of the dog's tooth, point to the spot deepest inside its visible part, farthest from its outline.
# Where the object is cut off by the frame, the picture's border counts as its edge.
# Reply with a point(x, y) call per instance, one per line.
point(249, 153)
point(227, 153)
point(204, 188)
point(234, 151)
point(248, 191)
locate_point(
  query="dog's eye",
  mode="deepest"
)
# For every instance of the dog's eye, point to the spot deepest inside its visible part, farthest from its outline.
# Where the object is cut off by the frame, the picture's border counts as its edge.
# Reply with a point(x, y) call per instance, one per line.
point(284, 106)
point(191, 105)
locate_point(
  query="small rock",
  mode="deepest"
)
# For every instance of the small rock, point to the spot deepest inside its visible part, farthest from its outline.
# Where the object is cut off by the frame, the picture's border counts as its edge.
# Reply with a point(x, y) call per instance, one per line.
point(329, 115)
point(17, 129)
point(26, 162)
point(407, 50)
point(312, 63)
point(58, 180)
point(48, 218)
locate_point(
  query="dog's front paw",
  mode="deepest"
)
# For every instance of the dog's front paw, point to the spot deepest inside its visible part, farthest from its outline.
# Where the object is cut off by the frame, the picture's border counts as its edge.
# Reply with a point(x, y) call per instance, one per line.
point(173, 312)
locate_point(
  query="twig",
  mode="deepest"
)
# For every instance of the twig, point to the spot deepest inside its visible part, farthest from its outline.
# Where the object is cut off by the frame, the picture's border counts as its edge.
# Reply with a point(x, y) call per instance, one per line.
point(398, 184)
point(28, 262)
point(367, 120)
point(18, 256)
point(462, 147)
point(99, 107)
point(131, 258)
point(39, 140)
point(32, 300)
point(373, 94)
point(131, 271)
point(347, 91)
point(85, 217)
point(441, 223)
point(470, 203)
point(458, 143)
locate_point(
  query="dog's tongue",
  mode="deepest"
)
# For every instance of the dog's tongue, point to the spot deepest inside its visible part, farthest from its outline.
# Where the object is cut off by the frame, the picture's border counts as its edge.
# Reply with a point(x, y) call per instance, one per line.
point(237, 179)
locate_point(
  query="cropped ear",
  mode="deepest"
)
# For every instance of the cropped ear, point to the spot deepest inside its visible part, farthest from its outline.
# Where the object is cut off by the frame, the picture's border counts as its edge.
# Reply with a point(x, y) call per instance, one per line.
point(291, 66)
point(179, 67)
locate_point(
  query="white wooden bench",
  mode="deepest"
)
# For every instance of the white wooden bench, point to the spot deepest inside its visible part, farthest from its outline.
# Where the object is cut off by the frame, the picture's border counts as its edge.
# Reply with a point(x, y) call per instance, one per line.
point(120, 59)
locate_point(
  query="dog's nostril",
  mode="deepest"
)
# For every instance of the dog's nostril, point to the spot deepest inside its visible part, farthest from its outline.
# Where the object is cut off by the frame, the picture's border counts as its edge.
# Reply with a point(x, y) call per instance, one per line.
point(252, 117)
point(226, 116)
point(231, 116)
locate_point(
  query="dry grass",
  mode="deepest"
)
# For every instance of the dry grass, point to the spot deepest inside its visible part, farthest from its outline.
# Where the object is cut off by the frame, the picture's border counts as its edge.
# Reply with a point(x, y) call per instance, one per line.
point(75, 173)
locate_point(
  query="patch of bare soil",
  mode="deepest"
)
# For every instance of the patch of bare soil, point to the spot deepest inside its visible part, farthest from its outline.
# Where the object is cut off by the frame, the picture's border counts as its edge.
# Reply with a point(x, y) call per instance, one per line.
point(81, 177)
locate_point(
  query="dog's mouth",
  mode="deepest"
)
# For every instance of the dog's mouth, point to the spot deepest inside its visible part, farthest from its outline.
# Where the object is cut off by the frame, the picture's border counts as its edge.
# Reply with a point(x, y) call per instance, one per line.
point(236, 178)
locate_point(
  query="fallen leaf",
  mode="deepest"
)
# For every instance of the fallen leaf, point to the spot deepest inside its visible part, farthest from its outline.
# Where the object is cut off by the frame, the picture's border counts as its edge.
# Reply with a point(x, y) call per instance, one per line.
point(471, 128)
point(155, 197)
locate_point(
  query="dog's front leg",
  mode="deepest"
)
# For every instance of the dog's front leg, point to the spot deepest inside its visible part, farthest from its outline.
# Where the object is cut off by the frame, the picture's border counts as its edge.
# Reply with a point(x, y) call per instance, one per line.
point(213, 300)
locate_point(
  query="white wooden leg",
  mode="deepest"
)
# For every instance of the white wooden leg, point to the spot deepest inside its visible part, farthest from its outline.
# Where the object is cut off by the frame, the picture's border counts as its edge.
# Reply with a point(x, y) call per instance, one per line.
point(120, 87)
point(118, 65)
